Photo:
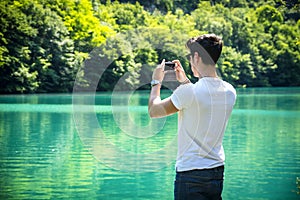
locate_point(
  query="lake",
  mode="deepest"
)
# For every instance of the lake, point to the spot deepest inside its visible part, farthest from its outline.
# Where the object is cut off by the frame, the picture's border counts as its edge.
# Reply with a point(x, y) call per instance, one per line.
point(104, 146)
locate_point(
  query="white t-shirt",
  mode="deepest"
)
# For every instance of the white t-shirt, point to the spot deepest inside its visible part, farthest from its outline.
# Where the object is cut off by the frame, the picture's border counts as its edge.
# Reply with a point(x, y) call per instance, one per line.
point(204, 109)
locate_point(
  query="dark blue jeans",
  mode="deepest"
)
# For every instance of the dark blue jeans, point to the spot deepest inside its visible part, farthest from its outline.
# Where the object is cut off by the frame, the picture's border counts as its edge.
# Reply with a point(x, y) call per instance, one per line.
point(199, 184)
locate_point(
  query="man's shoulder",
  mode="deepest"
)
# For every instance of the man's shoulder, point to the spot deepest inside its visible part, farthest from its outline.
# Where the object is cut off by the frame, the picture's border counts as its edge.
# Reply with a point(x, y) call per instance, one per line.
point(182, 96)
point(228, 86)
point(184, 87)
point(184, 91)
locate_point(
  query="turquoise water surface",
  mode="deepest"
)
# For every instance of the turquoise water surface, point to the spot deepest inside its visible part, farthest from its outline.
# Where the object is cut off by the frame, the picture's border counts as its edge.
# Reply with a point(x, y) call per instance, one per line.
point(104, 146)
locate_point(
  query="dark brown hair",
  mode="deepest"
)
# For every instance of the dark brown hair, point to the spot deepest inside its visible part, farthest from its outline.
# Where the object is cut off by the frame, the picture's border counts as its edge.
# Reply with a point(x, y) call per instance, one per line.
point(208, 46)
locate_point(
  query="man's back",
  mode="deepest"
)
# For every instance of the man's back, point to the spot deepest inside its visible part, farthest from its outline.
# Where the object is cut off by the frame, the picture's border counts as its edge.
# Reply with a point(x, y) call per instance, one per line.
point(205, 108)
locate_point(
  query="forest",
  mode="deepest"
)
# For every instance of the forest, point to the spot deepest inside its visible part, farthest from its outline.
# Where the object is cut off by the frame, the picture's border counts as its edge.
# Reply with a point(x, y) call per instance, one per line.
point(44, 43)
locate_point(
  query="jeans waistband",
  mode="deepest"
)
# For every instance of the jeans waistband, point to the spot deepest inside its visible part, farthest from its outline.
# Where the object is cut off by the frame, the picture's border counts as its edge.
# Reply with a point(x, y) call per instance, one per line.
point(215, 169)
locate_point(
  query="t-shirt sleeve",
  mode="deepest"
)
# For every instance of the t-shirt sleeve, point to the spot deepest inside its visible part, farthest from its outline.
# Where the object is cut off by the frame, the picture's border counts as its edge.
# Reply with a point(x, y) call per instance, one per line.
point(182, 96)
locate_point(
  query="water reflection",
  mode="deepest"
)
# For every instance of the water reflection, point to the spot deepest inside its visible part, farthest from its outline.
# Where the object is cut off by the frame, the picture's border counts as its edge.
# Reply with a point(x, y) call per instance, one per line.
point(42, 156)
point(262, 151)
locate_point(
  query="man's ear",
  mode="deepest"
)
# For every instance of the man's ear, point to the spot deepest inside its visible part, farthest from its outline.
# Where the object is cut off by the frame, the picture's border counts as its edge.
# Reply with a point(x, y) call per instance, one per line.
point(196, 57)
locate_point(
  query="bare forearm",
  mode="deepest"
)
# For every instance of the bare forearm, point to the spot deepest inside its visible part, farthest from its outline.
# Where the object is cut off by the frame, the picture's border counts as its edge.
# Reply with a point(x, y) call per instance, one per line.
point(154, 99)
point(156, 106)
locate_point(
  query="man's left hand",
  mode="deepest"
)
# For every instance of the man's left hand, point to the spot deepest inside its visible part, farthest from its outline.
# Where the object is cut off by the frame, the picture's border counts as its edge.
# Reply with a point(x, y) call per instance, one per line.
point(158, 73)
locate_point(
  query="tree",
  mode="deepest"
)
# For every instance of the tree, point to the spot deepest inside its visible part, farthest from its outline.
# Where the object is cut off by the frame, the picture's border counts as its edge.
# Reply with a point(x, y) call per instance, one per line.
point(126, 16)
point(78, 16)
point(15, 73)
point(236, 67)
point(44, 42)
point(40, 55)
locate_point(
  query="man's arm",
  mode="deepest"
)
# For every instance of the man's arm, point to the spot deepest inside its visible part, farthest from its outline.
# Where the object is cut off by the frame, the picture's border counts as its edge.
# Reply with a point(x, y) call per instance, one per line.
point(157, 107)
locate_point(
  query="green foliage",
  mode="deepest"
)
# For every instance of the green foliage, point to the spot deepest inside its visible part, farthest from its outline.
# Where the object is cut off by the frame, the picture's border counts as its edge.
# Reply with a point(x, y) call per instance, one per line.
point(234, 65)
point(85, 29)
point(15, 75)
point(128, 16)
point(164, 5)
point(127, 60)
point(39, 54)
point(43, 44)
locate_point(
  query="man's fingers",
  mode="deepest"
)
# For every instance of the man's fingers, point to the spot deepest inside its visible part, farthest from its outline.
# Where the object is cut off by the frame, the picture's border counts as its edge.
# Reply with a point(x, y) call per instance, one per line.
point(162, 64)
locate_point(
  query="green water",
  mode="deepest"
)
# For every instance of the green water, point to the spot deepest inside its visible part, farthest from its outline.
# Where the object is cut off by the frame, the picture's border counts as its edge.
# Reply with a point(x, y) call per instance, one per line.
point(106, 147)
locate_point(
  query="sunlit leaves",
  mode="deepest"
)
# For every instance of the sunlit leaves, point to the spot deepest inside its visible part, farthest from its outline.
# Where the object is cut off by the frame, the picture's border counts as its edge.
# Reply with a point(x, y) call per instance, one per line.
point(236, 68)
point(38, 56)
point(85, 29)
point(43, 43)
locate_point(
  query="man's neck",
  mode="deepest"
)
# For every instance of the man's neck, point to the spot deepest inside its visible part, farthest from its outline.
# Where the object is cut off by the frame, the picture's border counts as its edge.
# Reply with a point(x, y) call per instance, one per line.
point(208, 71)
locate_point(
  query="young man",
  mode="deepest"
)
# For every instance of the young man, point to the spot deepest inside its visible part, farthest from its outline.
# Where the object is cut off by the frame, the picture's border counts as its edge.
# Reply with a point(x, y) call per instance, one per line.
point(203, 111)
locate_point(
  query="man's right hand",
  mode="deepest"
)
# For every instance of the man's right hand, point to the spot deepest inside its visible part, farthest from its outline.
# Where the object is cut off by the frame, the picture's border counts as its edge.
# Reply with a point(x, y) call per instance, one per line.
point(180, 73)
